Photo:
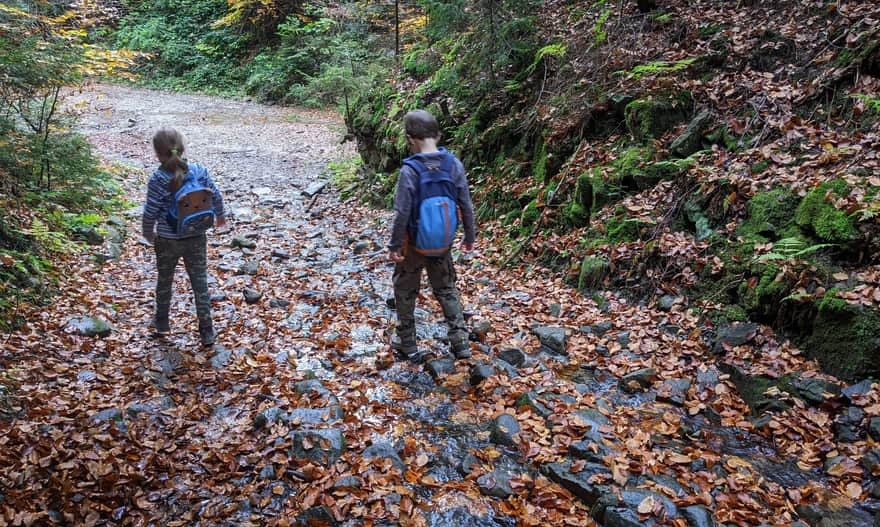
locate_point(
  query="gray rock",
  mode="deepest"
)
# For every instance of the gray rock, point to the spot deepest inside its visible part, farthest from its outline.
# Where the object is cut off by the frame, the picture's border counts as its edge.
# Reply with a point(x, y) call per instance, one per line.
point(241, 242)
point(440, 367)
point(384, 451)
point(319, 446)
point(496, 484)
point(691, 140)
point(279, 303)
point(577, 483)
point(250, 267)
point(314, 188)
point(874, 428)
point(311, 386)
point(875, 490)
point(503, 428)
point(594, 419)
point(110, 414)
point(512, 356)
point(623, 338)
point(480, 331)
point(674, 391)
point(555, 310)
point(89, 326)
point(638, 380)
point(480, 372)
point(666, 302)
point(622, 517)
point(221, 358)
point(847, 425)
point(552, 339)
point(281, 254)
point(833, 462)
point(708, 378)
point(734, 335)
point(600, 328)
point(814, 390)
point(347, 483)
point(315, 416)
point(252, 296)
point(591, 448)
point(268, 473)
point(533, 400)
point(317, 516)
point(86, 376)
point(857, 390)
point(871, 461)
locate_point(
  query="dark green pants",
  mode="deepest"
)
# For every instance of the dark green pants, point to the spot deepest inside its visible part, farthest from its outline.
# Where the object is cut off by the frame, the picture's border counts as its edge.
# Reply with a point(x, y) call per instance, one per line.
point(194, 252)
point(407, 281)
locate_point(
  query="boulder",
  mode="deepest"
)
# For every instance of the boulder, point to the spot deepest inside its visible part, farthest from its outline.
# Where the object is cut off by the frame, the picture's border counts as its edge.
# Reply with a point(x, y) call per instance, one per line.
point(503, 430)
point(384, 451)
point(578, 483)
point(252, 296)
point(691, 141)
point(674, 391)
point(816, 391)
point(480, 372)
point(323, 446)
point(552, 339)
point(733, 335)
point(638, 380)
point(496, 484)
point(89, 326)
point(512, 356)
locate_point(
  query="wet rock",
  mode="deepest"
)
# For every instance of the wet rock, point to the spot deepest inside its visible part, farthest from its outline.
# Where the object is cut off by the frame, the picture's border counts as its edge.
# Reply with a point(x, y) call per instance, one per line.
point(816, 391)
point(600, 328)
point(86, 376)
point(594, 419)
point(440, 367)
point(698, 516)
point(871, 461)
point(638, 380)
point(315, 416)
point(733, 335)
point(252, 296)
point(268, 473)
point(110, 414)
point(552, 339)
point(847, 425)
point(279, 303)
point(874, 428)
point(555, 310)
point(855, 391)
point(832, 463)
point(512, 356)
point(666, 302)
point(875, 490)
point(153, 406)
point(577, 483)
point(460, 517)
point(496, 484)
point(621, 510)
point(503, 428)
point(708, 378)
point(311, 386)
point(480, 331)
point(281, 254)
point(363, 246)
point(218, 297)
point(691, 140)
point(756, 390)
point(674, 391)
point(314, 188)
point(384, 451)
point(347, 483)
point(317, 516)
point(250, 267)
point(623, 338)
point(480, 373)
point(319, 446)
point(842, 517)
point(221, 358)
point(533, 400)
point(240, 242)
point(591, 448)
point(87, 326)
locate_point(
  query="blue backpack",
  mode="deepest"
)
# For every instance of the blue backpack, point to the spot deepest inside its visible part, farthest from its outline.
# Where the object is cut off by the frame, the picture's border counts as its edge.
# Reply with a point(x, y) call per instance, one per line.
point(435, 216)
point(192, 207)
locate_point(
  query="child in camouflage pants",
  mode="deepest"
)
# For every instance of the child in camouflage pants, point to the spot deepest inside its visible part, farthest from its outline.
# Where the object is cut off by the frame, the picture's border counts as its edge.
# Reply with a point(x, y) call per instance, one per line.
point(171, 247)
point(422, 134)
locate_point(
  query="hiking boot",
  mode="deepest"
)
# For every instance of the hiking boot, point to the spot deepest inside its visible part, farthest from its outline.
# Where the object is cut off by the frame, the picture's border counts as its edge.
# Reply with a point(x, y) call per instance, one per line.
point(207, 336)
point(461, 349)
point(408, 349)
point(159, 328)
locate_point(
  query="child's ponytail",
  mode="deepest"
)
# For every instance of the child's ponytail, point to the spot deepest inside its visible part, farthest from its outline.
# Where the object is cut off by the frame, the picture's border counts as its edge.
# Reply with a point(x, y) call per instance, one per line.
point(168, 144)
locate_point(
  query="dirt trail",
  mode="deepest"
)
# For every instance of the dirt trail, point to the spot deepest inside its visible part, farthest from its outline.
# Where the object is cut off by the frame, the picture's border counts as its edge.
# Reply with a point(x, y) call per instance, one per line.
point(301, 412)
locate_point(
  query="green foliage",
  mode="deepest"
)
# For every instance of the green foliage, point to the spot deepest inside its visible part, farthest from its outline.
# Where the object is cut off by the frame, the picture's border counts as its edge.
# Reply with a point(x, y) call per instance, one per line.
point(656, 68)
point(599, 33)
point(873, 103)
point(818, 214)
point(791, 249)
point(770, 215)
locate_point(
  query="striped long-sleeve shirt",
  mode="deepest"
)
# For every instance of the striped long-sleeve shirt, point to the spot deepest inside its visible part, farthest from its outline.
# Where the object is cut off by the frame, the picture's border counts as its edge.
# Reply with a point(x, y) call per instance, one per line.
point(159, 198)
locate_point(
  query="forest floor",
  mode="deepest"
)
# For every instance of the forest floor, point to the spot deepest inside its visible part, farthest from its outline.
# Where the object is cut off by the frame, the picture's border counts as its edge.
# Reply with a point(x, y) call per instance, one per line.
point(301, 413)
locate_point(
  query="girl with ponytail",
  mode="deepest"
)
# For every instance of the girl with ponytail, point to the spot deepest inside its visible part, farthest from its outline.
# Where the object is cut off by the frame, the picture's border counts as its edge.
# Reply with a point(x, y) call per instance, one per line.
point(170, 245)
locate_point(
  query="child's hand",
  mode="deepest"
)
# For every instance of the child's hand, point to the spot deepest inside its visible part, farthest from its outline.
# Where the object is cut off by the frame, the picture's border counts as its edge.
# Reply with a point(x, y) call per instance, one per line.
point(467, 246)
point(395, 255)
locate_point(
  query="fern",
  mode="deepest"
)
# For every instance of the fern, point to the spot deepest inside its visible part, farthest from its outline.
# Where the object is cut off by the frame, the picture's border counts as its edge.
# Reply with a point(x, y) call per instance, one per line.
point(789, 249)
point(872, 102)
point(653, 68)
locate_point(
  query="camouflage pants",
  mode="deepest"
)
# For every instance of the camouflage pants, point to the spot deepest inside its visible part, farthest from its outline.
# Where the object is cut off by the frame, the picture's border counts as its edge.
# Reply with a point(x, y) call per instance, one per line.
point(408, 279)
point(193, 251)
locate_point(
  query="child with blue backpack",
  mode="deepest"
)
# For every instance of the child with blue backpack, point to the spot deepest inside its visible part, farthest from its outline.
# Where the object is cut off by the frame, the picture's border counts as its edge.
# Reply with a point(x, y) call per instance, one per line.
point(432, 191)
point(182, 204)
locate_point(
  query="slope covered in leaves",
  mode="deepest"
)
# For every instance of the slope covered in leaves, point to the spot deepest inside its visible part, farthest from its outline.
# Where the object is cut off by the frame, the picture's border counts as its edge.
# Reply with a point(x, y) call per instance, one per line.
point(302, 415)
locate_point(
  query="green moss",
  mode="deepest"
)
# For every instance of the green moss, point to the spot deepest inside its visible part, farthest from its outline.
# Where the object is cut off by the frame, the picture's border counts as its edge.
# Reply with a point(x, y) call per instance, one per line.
point(576, 214)
point(539, 165)
point(594, 269)
point(649, 119)
point(728, 315)
point(831, 305)
point(759, 167)
point(621, 229)
point(762, 299)
point(769, 215)
point(818, 214)
point(846, 346)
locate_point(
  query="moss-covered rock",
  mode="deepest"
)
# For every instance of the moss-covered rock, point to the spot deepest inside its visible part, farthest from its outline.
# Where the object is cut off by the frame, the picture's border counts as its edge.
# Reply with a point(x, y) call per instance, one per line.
point(770, 216)
point(845, 340)
point(691, 141)
point(817, 213)
point(594, 269)
point(650, 118)
point(761, 295)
